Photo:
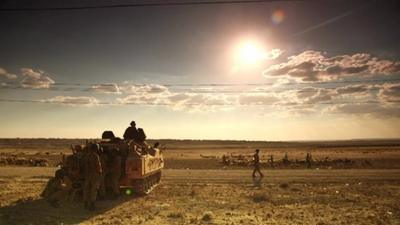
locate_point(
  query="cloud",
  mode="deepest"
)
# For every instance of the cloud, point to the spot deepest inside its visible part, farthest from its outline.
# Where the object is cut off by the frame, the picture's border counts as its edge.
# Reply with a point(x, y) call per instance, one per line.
point(257, 99)
point(315, 66)
point(180, 101)
point(390, 93)
point(111, 88)
point(9, 76)
point(354, 89)
point(143, 88)
point(273, 54)
point(305, 101)
point(35, 79)
point(73, 101)
point(306, 96)
point(374, 110)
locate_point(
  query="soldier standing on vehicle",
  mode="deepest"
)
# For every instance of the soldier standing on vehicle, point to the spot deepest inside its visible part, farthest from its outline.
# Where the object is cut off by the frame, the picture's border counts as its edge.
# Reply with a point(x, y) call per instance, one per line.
point(115, 172)
point(57, 188)
point(92, 171)
point(256, 161)
point(131, 133)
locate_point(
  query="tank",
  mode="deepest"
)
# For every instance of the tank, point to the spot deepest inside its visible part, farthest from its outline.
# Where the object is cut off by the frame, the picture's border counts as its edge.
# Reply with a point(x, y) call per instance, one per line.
point(141, 164)
point(142, 171)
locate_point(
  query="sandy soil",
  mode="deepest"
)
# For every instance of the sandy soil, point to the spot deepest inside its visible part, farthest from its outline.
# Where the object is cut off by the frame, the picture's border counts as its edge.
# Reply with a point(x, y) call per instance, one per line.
point(198, 190)
point(193, 154)
point(218, 197)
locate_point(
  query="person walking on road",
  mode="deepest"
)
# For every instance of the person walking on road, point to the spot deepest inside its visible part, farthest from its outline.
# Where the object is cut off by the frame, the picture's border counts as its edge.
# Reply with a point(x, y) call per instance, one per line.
point(256, 161)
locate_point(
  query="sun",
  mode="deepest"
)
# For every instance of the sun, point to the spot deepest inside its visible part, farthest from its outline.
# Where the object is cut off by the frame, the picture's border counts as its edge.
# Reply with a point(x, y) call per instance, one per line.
point(250, 52)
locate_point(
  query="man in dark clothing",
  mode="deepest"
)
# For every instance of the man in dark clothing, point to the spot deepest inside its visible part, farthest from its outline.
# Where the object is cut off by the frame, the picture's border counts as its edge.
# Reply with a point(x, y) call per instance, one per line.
point(92, 171)
point(131, 132)
point(115, 171)
point(308, 160)
point(57, 188)
point(256, 160)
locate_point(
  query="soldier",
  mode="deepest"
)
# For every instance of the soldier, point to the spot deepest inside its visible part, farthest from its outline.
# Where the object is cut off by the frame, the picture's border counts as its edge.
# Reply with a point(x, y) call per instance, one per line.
point(115, 172)
point(102, 184)
point(256, 160)
point(57, 188)
point(308, 160)
point(271, 161)
point(92, 172)
point(286, 160)
point(131, 132)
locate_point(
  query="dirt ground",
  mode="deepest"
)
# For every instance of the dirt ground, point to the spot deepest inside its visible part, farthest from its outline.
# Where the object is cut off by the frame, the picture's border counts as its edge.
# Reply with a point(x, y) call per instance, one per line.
point(198, 190)
point(218, 197)
point(197, 154)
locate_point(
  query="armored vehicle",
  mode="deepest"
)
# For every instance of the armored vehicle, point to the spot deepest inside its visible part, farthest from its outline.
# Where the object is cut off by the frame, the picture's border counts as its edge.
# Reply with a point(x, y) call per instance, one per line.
point(141, 164)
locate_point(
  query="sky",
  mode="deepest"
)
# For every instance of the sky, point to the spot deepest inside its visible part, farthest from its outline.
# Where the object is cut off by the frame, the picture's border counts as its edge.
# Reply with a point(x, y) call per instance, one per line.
point(280, 70)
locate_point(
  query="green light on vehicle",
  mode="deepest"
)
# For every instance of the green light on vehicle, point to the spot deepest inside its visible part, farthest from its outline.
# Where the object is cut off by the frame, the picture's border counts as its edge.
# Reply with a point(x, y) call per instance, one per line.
point(128, 191)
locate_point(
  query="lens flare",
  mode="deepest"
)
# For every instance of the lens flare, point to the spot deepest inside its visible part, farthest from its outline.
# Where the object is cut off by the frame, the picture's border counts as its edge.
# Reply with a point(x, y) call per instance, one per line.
point(278, 16)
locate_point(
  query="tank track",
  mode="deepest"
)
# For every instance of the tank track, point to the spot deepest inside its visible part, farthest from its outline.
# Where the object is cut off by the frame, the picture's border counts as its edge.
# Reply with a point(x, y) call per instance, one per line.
point(147, 184)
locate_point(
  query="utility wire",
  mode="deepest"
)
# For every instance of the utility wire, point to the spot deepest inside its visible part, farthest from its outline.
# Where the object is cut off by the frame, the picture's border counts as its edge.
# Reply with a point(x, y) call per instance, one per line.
point(196, 91)
point(148, 4)
point(214, 84)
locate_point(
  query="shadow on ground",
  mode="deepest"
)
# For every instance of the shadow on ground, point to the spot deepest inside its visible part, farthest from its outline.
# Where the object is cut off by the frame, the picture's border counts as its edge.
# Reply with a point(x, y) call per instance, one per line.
point(38, 211)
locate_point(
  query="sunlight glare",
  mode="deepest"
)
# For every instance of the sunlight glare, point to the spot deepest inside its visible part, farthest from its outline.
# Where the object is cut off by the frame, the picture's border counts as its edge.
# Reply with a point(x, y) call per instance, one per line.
point(250, 52)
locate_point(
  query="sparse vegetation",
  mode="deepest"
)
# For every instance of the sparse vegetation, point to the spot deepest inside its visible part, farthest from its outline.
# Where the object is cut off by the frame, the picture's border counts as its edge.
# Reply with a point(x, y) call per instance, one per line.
point(284, 185)
point(175, 215)
point(208, 216)
point(260, 197)
point(221, 196)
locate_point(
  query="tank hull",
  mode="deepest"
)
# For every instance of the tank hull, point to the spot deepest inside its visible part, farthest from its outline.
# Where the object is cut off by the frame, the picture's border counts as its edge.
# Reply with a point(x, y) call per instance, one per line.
point(140, 165)
point(141, 172)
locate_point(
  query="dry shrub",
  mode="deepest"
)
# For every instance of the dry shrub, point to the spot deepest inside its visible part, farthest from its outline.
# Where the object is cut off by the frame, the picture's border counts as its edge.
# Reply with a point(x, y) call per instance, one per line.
point(208, 216)
point(295, 189)
point(175, 215)
point(261, 197)
point(284, 185)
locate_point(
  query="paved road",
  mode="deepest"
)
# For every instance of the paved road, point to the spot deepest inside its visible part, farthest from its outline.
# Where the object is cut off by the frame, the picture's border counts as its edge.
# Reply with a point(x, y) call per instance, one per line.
point(239, 176)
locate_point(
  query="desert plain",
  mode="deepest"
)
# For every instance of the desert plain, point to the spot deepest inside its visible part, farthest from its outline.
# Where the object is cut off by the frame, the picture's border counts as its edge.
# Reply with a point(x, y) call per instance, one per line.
point(349, 182)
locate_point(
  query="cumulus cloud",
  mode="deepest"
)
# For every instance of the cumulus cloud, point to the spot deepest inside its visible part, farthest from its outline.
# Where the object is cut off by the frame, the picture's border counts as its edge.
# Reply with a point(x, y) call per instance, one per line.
point(5, 74)
point(257, 99)
point(180, 101)
point(35, 79)
point(111, 88)
point(390, 93)
point(316, 66)
point(306, 96)
point(300, 101)
point(273, 54)
point(354, 89)
point(374, 110)
point(143, 88)
point(73, 101)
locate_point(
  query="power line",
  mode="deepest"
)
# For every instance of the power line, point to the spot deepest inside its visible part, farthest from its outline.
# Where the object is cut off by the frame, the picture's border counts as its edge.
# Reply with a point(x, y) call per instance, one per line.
point(214, 84)
point(148, 4)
